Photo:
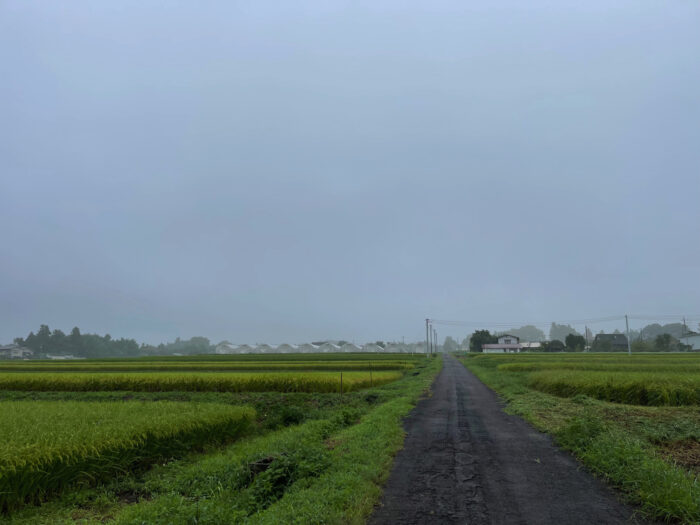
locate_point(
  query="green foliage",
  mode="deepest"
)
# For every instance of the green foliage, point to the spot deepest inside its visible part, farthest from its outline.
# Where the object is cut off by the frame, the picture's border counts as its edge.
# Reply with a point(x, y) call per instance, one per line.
point(480, 338)
point(575, 343)
point(553, 346)
point(527, 333)
point(560, 331)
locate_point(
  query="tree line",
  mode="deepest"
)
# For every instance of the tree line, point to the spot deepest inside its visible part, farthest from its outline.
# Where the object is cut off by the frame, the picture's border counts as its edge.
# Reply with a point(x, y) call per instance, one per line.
point(575, 342)
point(55, 342)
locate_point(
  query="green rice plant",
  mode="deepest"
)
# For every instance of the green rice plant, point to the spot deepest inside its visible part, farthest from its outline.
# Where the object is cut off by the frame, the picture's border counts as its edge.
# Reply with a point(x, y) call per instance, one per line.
point(635, 388)
point(46, 446)
point(597, 365)
point(322, 382)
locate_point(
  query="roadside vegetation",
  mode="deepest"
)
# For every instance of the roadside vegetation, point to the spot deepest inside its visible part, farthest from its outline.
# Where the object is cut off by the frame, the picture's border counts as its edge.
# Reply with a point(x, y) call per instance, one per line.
point(305, 457)
point(633, 420)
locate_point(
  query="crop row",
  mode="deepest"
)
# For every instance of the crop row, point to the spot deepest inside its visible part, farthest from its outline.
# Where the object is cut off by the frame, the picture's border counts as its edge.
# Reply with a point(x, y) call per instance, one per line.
point(322, 382)
point(46, 446)
point(635, 388)
point(681, 366)
point(213, 366)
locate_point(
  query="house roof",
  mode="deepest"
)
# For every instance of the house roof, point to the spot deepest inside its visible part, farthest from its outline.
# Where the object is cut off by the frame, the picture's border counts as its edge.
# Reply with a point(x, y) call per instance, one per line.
point(504, 345)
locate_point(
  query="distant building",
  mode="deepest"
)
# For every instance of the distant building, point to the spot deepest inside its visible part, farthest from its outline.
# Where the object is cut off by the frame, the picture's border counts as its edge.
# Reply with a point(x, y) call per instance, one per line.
point(614, 341)
point(307, 348)
point(531, 346)
point(14, 351)
point(691, 339)
point(350, 348)
point(286, 349)
point(371, 347)
point(507, 344)
point(328, 348)
point(225, 348)
point(245, 349)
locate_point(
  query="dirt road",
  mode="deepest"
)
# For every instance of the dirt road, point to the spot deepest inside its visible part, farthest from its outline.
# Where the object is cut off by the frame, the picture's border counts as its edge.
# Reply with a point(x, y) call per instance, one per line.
point(466, 461)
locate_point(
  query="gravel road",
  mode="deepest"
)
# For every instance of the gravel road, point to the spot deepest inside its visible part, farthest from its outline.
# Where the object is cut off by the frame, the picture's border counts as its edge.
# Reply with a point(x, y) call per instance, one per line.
point(466, 461)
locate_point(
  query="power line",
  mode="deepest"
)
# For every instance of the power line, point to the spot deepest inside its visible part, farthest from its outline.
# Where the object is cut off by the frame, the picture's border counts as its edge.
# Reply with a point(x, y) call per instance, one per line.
point(535, 323)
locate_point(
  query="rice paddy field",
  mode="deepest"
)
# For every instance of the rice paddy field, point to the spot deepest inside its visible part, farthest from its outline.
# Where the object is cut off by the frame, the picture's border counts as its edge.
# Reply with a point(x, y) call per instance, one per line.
point(202, 439)
point(631, 419)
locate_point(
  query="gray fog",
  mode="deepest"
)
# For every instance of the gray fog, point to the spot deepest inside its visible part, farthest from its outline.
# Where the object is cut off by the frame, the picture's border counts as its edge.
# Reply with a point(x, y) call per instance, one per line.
point(285, 172)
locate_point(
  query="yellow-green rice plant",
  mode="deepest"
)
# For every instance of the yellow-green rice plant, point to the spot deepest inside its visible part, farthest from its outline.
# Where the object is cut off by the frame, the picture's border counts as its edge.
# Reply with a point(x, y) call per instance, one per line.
point(635, 388)
point(46, 446)
point(321, 382)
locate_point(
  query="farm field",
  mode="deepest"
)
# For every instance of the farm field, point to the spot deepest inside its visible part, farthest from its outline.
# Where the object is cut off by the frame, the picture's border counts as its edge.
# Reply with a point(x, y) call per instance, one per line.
point(634, 420)
point(152, 445)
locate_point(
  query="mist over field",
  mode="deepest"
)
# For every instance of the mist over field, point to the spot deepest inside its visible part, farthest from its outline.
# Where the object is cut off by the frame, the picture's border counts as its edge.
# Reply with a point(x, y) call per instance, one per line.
point(264, 172)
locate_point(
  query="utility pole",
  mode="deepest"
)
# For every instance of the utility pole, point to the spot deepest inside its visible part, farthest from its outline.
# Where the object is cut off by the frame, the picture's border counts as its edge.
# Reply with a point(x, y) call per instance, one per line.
point(436, 340)
point(627, 324)
point(427, 338)
point(585, 332)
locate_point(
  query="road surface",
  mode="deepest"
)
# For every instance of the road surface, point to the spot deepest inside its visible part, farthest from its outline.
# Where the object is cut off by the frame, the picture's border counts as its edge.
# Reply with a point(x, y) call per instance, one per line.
point(466, 461)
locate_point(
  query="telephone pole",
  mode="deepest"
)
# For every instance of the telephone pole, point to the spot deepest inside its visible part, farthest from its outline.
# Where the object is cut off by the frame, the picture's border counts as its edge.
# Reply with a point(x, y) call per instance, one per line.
point(627, 324)
point(427, 338)
point(436, 340)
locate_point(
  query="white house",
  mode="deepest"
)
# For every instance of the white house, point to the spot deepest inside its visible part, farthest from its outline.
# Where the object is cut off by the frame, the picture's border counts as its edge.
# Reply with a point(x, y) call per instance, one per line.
point(693, 340)
point(14, 351)
point(531, 346)
point(507, 344)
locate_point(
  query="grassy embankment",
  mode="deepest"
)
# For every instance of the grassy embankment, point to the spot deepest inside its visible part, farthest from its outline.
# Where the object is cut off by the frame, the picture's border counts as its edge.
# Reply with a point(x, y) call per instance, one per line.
point(634, 420)
point(314, 458)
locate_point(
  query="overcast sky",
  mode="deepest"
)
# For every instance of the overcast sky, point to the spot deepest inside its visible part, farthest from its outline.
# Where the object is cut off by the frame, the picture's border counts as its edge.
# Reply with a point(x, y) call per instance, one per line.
point(284, 172)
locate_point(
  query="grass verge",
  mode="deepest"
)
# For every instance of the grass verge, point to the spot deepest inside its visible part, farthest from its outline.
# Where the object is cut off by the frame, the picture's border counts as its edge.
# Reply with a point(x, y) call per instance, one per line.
point(622, 443)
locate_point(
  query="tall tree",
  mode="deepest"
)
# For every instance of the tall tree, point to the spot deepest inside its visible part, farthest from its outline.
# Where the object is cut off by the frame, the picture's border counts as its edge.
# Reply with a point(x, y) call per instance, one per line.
point(527, 333)
point(480, 338)
point(450, 345)
point(575, 343)
point(560, 331)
